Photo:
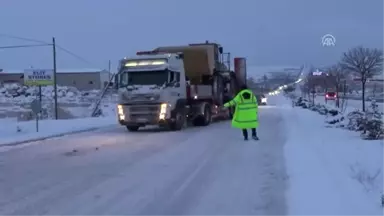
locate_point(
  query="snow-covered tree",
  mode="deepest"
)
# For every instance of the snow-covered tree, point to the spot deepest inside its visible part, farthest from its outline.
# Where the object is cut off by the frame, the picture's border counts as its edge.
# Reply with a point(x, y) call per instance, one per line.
point(373, 127)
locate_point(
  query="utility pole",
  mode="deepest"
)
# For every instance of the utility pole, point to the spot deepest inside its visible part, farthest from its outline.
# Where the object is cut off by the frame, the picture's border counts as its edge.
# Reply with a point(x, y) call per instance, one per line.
point(55, 76)
point(109, 68)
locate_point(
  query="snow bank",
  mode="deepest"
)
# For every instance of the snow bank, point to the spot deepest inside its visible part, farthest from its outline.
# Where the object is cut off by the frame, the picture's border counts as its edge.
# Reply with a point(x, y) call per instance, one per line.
point(15, 99)
point(351, 105)
point(331, 171)
point(12, 131)
point(17, 94)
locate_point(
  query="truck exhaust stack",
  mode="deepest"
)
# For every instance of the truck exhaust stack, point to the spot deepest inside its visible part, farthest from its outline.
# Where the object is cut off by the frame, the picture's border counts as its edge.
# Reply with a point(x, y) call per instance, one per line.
point(240, 70)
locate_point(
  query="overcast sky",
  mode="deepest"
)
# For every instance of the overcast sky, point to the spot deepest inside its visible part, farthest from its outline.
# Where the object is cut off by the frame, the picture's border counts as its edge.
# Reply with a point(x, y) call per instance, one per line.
point(267, 32)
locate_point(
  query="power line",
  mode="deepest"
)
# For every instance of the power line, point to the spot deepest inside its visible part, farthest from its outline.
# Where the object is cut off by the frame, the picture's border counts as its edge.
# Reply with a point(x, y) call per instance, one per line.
point(23, 38)
point(23, 46)
point(42, 44)
point(73, 54)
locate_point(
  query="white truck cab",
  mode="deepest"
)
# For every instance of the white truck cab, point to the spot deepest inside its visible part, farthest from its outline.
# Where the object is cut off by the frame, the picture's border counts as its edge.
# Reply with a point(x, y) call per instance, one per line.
point(152, 90)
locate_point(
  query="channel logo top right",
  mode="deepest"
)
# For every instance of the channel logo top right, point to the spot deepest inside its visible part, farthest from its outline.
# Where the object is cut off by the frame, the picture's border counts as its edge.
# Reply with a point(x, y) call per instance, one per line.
point(328, 40)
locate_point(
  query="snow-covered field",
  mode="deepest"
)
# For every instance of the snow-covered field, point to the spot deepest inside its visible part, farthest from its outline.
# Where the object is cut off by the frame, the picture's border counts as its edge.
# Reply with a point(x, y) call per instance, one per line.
point(15, 101)
point(14, 93)
point(332, 171)
point(17, 122)
point(351, 105)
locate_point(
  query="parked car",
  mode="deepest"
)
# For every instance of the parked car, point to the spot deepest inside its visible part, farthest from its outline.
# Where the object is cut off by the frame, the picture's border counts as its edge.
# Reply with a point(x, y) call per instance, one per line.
point(330, 96)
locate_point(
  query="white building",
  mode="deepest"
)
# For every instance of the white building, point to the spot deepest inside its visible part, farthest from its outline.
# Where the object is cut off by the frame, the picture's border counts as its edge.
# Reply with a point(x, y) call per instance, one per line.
point(82, 79)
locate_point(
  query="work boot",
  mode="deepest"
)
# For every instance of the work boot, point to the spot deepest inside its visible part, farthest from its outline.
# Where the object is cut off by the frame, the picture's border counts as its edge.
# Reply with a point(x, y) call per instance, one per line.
point(255, 137)
point(245, 134)
point(254, 134)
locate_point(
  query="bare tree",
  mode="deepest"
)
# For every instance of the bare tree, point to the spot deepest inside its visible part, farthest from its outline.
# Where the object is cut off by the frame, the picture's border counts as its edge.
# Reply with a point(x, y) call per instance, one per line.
point(312, 82)
point(364, 62)
point(306, 86)
point(337, 75)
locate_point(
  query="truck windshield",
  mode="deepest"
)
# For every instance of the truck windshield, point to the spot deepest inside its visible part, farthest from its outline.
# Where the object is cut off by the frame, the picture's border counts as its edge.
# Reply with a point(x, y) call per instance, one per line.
point(143, 78)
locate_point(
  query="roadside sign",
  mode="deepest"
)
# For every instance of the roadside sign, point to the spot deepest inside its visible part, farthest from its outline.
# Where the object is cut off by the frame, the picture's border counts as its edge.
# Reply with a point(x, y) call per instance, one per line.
point(36, 106)
point(35, 77)
point(36, 109)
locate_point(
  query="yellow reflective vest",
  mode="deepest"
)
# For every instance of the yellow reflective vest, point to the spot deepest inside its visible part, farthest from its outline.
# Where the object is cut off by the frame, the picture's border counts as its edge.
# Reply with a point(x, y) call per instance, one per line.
point(246, 111)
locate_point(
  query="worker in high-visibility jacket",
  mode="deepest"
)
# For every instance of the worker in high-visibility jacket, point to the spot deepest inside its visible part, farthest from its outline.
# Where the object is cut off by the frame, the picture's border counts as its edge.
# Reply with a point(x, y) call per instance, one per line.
point(246, 112)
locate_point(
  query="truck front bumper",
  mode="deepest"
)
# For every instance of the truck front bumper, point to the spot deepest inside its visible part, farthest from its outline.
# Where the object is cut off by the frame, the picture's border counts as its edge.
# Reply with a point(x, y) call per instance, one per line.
point(143, 114)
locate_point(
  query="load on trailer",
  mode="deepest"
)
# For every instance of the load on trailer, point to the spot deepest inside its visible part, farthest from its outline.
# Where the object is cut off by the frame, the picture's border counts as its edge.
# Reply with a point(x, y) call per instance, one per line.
point(170, 86)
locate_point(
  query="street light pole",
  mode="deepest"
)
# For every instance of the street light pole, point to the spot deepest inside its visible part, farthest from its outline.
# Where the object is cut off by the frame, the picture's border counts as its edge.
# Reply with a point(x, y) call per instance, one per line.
point(55, 76)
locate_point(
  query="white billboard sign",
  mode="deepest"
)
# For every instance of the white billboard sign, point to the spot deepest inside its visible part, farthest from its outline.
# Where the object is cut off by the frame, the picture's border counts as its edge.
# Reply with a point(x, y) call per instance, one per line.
point(36, 77)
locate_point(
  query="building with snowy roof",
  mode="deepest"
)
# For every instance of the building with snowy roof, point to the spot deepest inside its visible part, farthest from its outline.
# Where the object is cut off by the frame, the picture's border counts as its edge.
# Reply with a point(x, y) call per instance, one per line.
point(82, 79)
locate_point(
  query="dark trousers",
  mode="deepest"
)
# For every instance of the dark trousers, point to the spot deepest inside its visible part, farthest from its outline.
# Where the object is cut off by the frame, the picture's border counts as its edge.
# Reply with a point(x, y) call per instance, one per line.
point(245, 133)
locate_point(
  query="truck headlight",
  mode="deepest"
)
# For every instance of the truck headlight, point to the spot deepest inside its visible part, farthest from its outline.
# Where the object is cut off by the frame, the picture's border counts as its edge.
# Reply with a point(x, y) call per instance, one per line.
point(120, 109)
point(263, 100)
point(163, 110)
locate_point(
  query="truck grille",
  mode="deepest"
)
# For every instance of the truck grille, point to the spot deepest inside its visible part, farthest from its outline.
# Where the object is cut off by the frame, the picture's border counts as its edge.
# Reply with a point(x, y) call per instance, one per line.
point(144, 109)
point(146, 116)
point(144, 97)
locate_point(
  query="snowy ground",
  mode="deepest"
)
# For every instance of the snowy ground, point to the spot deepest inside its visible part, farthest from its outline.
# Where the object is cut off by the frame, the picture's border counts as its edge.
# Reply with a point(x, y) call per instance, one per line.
point(351, 104)
point(15, 101)
point(12, 131)
point(332, 171)
point(202, 170)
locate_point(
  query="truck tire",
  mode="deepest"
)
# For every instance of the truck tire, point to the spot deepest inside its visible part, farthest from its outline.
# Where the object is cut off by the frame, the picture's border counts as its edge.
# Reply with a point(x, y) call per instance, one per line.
point(179, 122)
point(218, 88)
point(132, 128)
point(207, 115)
point(204, 119)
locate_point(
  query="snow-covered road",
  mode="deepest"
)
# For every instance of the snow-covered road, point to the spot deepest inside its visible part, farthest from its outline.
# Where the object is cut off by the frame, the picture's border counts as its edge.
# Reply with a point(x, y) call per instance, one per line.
point(207, 170)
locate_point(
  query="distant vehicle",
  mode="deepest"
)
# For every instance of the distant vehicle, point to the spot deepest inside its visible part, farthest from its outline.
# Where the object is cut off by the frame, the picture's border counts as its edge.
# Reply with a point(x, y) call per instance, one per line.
point(330, 96)
point(261, 99)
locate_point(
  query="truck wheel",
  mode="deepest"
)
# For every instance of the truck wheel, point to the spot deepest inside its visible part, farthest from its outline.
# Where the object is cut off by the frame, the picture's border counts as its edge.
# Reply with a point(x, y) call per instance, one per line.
point(179, 122)
point(133, 128)
point(207, 115)
point(205, 119)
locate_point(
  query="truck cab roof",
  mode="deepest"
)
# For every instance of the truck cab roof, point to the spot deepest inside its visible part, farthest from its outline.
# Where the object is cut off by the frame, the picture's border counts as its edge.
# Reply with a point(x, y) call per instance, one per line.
point(148, 62)
point(148, 55)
